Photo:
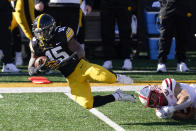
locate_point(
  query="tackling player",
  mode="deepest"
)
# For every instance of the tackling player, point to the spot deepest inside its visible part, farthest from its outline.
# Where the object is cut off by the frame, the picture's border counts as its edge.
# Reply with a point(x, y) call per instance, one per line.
point(65, 54)
point(171, 100)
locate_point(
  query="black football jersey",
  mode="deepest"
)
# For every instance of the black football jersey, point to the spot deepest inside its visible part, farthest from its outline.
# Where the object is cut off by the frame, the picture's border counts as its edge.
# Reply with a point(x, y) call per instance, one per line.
point(57, 49)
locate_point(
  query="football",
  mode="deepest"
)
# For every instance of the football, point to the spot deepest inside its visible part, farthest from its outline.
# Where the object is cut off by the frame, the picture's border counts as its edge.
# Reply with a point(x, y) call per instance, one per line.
point(40, 61)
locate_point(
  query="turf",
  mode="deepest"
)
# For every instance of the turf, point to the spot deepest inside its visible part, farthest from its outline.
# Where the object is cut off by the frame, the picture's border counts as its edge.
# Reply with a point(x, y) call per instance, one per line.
point(56, 112)
point(45, 112)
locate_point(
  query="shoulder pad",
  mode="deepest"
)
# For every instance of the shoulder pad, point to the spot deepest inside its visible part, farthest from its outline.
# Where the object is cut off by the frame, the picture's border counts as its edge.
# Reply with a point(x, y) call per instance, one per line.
point(168, 84)
point(66, 33)
point(69, 34)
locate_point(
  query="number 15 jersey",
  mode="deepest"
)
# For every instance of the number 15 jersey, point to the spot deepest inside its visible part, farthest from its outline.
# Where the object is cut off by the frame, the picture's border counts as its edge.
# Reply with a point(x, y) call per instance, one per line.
point(57, 49)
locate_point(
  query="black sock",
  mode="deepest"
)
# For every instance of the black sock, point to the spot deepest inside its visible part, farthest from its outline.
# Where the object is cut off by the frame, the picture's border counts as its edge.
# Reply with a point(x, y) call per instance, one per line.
point(102, 100)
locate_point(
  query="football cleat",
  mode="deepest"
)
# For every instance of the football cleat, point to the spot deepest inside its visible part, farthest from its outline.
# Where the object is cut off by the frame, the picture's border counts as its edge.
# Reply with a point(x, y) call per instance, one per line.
point(119, 95)
point(107, 64)
point(127, 64)
point(10, 67)
point(123, 79)
point(161, 68)
point(182, 67)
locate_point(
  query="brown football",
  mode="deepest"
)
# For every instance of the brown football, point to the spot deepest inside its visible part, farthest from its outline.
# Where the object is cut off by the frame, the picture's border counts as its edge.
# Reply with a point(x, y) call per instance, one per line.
point(40, 60)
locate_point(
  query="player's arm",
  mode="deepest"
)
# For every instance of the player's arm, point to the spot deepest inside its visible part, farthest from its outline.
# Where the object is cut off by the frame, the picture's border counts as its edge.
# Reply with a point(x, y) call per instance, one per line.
point(41, 66)
point(32, 60)
point(34, 70)
point(73, 44)
point(183, 99)
point(75, 47)
point(31, 68)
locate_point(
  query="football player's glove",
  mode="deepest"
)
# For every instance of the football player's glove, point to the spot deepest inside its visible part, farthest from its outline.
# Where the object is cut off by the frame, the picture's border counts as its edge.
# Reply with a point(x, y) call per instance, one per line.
point(164, 112)
point(39, 69)
point(32, 71)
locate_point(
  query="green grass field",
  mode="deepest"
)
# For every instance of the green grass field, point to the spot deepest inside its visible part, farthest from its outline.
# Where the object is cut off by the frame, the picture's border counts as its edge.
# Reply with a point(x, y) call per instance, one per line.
point(56, 112)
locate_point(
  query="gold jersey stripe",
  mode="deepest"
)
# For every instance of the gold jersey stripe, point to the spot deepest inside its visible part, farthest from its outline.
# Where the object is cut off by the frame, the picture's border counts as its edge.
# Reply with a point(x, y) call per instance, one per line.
point(69, 34)
point(38, 21)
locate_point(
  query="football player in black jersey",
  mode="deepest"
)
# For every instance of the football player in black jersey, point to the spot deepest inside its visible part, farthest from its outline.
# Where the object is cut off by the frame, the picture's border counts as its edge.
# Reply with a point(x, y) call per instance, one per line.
point(65, 54)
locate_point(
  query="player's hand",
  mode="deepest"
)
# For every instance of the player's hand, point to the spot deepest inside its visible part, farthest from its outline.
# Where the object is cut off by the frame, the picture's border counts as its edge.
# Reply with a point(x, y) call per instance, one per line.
point(163, 113)
point(32, 71)
point(53, 65)
point(168, 109)
point(41, 68)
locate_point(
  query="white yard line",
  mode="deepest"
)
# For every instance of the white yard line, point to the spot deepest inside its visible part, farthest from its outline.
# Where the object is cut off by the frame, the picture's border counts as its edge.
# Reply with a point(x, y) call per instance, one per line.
point(101, 116)
point(66, 91)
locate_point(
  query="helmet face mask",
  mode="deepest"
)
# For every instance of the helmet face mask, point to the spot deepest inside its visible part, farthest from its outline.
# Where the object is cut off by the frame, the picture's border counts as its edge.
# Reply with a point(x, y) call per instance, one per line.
point(39, 33)
point(156, 99)
point(152, 96)
point(43, 27)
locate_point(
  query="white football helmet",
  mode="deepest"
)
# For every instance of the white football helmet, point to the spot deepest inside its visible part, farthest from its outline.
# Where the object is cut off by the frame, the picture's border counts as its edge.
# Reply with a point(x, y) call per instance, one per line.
point(151, 96)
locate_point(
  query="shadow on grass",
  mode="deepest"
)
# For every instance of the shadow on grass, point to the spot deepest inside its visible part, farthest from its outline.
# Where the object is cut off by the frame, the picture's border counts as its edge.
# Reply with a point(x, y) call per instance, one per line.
point(173, 123)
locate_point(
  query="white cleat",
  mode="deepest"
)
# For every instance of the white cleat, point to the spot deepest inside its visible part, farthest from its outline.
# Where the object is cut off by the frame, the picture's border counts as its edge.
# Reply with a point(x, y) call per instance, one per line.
point(182, 67)
point(10, 68)
point(119, 95)
point(127, 64)
point(123, 79)
point(161, 68)
point(107, 64)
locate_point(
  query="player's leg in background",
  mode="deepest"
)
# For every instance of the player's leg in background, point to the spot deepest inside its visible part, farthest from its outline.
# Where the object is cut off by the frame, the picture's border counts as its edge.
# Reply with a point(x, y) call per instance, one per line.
point(17, 46)
point(7, 60)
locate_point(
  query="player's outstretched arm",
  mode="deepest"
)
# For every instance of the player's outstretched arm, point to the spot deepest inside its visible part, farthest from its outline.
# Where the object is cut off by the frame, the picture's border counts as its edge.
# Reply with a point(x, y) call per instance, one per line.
point(183, 98)
point(76, 47)
point(31, 68)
